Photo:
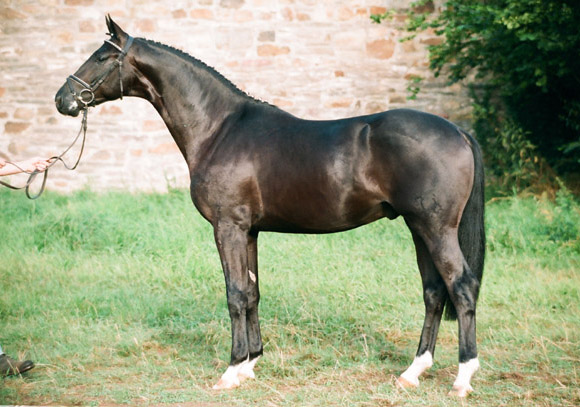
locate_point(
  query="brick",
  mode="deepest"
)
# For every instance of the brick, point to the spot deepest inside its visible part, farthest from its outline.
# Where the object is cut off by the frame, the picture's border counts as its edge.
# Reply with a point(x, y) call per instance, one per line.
point(362, 12)
point(102, 155)
point(179, 13)
point(65, 37)
point(287, 14)
point(374, 107)
point(408, 46)
point(201, 13)
point(269, 50)
point(79, 2)
point(432, 40)
point(282, 103)
point(153, 125)
point(345, 13)
point(341, 103)
point(264, 36)
point(164, 148)
point(231, 3)
point(381, 49)
point(23, 113)
point(16, 127)
point(145, 25)
point(110, 110)
point(243, 16)
point(87, 26)
point(2, 91)
point(7, 13)
point(377, 10)
point(396, 98)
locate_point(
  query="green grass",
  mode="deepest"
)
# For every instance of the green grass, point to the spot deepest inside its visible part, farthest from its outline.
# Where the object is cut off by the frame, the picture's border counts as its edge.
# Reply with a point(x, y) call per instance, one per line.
point(120, 300)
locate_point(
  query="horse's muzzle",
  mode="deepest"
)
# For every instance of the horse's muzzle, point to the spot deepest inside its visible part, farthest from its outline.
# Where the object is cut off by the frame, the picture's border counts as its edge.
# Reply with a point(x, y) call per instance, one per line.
point(66, 102)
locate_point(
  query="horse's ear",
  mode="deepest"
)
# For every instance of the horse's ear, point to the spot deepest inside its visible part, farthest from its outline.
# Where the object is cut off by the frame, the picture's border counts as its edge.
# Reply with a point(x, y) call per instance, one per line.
point(114, 30)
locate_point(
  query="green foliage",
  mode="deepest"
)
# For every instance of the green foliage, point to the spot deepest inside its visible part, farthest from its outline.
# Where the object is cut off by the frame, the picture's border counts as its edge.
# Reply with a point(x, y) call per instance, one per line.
point(512, 161)
point(565, 224)
point(414, 87)
point(525, 52)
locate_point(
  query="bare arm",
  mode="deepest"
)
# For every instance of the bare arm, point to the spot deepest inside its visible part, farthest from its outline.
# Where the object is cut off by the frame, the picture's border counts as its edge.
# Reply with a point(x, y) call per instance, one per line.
point(30, 165)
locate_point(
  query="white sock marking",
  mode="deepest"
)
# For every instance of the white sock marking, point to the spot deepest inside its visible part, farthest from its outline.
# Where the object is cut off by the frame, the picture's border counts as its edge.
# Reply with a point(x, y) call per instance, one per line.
point(229, 379)
point(247, 369)
point(419, 365)
point(466, 371)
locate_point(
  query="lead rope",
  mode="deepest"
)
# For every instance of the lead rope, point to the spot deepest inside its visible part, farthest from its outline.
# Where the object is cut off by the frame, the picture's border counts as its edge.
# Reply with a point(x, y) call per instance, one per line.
point(54, 160)
point(86, 102)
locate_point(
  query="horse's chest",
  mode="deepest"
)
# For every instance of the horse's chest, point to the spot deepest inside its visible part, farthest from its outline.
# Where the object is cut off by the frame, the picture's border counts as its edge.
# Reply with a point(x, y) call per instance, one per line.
point(217, 193)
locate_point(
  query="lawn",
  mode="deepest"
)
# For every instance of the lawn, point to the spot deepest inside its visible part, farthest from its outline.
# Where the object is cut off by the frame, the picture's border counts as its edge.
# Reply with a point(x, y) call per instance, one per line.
point(120, 300)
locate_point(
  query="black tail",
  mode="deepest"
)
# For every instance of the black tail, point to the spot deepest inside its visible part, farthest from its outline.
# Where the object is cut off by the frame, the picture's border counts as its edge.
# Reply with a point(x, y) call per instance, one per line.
point(471, 226)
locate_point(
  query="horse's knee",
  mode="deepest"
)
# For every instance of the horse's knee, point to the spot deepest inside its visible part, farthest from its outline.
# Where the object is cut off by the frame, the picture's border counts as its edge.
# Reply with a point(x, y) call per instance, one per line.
point(237, 303)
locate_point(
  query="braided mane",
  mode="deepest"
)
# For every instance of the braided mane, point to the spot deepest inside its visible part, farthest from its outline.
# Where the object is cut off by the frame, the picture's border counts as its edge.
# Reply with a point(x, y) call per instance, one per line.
point(200, 64)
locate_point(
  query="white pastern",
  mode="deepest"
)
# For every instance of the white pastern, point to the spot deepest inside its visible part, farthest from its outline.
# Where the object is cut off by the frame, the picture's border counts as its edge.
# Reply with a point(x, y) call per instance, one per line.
point(410, 377)
point(229, 379)
point(247, 369)
point(462, 386)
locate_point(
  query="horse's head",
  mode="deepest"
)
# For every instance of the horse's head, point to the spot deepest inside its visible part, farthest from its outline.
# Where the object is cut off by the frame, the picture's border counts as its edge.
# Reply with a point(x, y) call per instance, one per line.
point(100, 78)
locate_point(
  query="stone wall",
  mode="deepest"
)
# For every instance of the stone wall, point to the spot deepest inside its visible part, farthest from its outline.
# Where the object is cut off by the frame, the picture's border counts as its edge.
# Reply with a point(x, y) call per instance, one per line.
point(318, 59)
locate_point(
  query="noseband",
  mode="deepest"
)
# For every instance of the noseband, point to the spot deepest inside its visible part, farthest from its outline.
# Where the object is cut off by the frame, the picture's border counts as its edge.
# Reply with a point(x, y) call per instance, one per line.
point(87, 95)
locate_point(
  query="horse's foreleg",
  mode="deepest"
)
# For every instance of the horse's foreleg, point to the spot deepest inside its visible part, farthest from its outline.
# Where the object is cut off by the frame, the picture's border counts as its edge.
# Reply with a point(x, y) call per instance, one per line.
point(434, 293)
point(252, 322)
point(232, 243)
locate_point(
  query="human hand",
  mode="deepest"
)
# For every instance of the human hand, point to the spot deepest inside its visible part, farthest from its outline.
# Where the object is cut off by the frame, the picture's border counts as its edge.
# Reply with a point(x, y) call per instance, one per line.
point(36, 164)
point(2, 162)
point(33, 164)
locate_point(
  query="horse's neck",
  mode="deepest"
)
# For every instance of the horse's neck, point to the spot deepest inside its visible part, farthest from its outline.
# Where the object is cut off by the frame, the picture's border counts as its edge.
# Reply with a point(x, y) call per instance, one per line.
point(191, 98)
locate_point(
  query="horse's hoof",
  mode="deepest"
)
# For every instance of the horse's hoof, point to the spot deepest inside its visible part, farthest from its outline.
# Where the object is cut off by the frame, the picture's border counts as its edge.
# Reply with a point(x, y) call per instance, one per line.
point(460, 391)
point(245, 375)
point(403, 383)
point(226, 384)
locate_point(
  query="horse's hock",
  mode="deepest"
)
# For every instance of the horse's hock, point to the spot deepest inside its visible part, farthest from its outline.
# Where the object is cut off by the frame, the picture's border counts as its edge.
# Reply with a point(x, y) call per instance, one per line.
point(317, 60)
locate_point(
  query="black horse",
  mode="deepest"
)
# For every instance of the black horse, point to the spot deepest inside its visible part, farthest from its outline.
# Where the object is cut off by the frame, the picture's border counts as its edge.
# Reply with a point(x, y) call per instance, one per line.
point(256, 168)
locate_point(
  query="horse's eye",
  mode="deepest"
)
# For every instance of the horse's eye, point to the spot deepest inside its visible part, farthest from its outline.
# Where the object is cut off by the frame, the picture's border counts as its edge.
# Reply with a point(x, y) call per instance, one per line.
point(102, 58)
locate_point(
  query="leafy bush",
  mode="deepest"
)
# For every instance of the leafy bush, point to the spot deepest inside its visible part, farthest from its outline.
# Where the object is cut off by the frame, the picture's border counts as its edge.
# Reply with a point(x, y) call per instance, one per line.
point(565, 226)
point(525, 53)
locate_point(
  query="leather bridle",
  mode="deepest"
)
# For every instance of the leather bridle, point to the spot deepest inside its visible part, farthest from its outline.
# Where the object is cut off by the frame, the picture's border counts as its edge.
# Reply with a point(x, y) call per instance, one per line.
point(85, 97)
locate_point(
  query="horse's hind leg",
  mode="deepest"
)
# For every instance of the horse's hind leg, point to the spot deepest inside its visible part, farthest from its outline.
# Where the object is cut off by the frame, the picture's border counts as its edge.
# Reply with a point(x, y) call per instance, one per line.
point(462, 286)
point(434, 295)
